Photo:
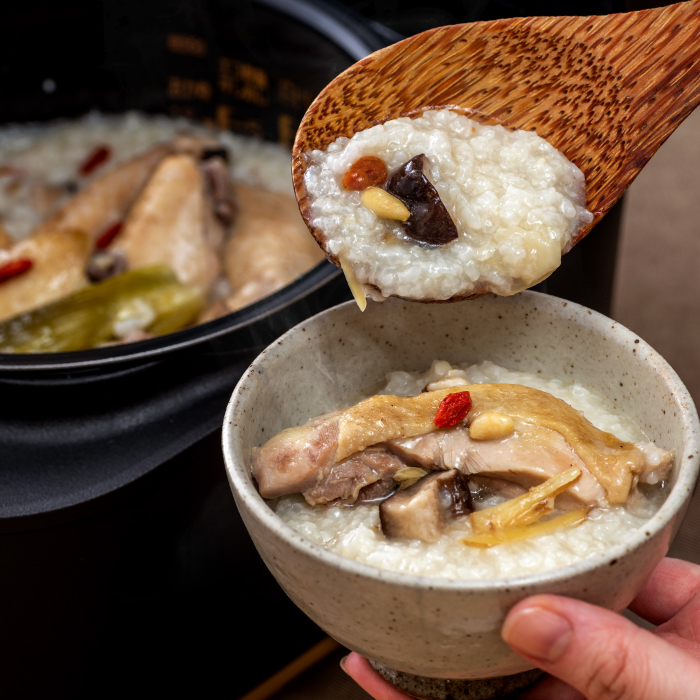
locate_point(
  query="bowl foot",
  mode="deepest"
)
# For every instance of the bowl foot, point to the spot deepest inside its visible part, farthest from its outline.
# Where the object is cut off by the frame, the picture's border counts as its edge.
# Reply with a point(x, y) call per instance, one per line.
point(446, 689)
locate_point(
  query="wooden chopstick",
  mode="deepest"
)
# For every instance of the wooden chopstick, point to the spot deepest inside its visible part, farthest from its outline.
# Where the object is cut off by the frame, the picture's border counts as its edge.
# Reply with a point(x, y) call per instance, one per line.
point(293, 669)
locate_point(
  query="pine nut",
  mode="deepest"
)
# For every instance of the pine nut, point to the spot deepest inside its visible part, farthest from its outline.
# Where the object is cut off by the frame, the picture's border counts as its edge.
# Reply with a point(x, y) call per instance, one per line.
point(490, 426)
point(384, 204)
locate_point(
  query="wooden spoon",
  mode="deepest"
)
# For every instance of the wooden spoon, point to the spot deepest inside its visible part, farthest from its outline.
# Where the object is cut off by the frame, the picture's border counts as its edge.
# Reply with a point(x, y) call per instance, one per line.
point(606, 91)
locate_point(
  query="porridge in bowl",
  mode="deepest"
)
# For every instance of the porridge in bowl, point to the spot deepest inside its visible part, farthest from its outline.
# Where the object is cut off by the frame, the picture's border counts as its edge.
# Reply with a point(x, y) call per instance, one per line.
point(441, 207)
point(449, 627)
point(466, 472)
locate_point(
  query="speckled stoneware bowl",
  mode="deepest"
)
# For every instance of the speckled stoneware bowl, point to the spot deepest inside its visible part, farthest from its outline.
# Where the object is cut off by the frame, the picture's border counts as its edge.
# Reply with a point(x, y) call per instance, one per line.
point(437, 627)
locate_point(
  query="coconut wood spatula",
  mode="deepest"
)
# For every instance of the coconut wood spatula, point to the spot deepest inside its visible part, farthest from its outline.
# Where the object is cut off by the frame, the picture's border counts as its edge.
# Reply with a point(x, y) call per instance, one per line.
point(606, 91)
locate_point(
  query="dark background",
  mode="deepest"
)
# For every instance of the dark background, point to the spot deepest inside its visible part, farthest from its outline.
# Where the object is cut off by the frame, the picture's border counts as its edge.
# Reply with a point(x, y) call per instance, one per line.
point(158, 590)
point(412, 16)
point(81, 44)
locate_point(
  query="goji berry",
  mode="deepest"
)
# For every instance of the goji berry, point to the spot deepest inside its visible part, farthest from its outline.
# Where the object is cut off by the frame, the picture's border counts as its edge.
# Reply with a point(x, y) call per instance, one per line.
point(15, 268)
point(108, 236)
point(368, 171)
point(98, 156)
point(453, 409)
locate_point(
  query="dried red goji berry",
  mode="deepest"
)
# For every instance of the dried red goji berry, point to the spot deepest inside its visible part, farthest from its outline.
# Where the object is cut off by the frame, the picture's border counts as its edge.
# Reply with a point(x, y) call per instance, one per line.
point(453, 409)
point(108, 236)
point(368, 171)
point(15, 268)
point(98, 156)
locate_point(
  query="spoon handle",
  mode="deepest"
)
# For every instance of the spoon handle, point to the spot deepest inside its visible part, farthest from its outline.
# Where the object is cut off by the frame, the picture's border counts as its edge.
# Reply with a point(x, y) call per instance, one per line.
point(653, 86)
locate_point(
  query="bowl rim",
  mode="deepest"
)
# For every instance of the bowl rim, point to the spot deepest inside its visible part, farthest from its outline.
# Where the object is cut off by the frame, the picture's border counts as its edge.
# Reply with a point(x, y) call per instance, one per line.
point(243, 487)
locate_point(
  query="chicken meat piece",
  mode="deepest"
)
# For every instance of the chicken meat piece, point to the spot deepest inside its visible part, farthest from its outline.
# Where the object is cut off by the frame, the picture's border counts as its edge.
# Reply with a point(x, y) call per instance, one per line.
point(6, 240)
point(291, 461)
point(269, 247)
point(344, 481)
point(616, 464)
point(380, 489)
point(58, 269)
point(485, 486)
point(108, 198)
point(424, 510)
point(528, 457)
point(549, 437)
point(46, 197)
point(213, 158)
point(168, 225)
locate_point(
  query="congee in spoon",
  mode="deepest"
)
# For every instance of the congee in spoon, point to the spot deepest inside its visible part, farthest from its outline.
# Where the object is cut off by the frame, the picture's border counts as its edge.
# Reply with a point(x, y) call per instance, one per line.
point(440, 207)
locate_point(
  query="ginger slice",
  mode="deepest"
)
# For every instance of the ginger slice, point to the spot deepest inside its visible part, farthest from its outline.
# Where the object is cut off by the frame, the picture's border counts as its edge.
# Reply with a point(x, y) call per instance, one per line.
point(525, 509)
point(570, 519)
point(354, 285)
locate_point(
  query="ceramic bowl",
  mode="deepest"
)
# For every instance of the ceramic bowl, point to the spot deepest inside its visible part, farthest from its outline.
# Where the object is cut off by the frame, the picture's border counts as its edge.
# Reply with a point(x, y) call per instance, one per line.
point(433, 627)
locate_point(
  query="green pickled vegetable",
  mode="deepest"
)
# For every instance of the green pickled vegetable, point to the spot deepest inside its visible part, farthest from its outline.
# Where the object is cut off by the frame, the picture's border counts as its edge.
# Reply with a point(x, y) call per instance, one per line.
point(149, 299)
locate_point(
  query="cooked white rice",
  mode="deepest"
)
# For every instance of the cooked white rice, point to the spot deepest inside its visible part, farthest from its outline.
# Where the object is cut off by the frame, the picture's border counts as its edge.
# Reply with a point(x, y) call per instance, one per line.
point(53, 153)
point(354, 531)
point(516, 202)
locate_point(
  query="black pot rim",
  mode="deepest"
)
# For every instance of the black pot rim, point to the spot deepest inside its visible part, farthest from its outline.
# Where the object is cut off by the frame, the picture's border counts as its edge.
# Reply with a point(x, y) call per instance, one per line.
point(153, 348)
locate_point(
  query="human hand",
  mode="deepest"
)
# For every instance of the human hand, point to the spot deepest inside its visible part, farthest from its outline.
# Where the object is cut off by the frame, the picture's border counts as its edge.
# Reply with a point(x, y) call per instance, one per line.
point(597, 654)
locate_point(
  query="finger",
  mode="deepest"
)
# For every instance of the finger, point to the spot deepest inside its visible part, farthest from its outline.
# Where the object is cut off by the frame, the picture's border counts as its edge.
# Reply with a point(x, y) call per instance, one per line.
point(598, 652)
point(671, 587)
point(358, 668)
point(551, 688)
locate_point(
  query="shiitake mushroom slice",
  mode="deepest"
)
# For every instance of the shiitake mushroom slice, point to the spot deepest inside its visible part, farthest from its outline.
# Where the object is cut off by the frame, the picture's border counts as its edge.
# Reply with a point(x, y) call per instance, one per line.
point(430, 221)
point(424, 510)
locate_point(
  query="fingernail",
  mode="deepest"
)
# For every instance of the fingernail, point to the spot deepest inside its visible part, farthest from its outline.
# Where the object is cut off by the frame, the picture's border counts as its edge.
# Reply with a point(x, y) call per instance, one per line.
point(538, 632)
point(342, 662)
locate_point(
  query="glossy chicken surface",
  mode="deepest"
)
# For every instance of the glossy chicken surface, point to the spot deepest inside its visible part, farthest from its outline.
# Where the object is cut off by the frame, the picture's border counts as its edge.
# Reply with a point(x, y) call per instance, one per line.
point(58, 260)
point(297, 458)
point(108, 198)
point(373, 440)
point(173, 205)
point(167, 225)
point(528, 457)
point(267, 223)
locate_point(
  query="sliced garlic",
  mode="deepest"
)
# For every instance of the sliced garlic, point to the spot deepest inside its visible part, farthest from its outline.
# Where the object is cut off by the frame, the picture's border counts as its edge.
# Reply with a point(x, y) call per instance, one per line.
point(408, 476)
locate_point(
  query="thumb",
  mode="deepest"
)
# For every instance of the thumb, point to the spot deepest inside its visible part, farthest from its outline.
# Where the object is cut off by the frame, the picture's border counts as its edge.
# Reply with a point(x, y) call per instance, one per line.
point(598, 652)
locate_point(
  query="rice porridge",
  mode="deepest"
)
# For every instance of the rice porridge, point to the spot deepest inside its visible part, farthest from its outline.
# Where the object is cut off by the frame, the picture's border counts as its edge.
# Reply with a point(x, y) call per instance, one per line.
point(516, 203)
point(54, 151)
point(355, 531)
point(154, 222)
